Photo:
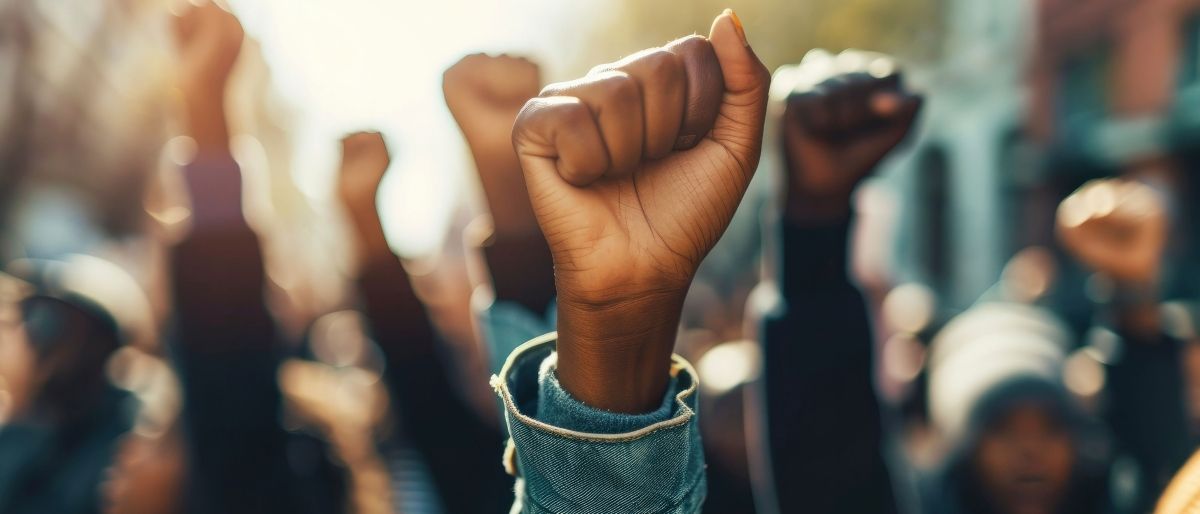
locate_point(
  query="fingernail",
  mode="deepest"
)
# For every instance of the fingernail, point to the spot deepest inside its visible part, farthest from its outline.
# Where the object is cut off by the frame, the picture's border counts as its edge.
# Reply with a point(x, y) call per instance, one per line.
point(737, 24)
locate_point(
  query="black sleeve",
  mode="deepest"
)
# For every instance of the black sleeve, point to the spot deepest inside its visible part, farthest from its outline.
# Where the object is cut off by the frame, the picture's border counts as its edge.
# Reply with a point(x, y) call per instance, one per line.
point(226, 348)
point(1146, 411)
point(522, 270)
point(462, 452)
point(823, 419)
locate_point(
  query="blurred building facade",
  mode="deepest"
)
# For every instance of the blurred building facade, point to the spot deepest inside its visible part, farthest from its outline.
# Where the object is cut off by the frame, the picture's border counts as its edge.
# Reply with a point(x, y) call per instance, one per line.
point(1031, 99)
point(957, 175)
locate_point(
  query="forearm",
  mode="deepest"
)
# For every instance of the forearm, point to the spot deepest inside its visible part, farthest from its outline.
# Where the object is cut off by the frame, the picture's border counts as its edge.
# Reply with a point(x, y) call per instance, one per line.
point(207, 123)
point(217, 270)
point(458, 447)
point(824, 426)
point(1146, 389)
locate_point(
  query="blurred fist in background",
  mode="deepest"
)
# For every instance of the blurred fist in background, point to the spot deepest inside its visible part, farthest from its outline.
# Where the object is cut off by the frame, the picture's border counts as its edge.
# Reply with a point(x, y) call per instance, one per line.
point(484, 94)
point(209, 39)
point(1116, 227)
point(843, 115)
point(365, 159)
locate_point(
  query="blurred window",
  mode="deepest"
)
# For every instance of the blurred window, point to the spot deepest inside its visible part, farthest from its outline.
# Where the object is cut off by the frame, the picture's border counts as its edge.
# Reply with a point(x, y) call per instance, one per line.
point(933, 195)
point(1019, 175)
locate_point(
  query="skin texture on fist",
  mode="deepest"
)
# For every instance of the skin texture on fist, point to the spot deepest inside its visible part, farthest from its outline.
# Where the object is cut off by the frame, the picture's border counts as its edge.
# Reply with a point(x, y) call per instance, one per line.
point(628, 216)
point(836, 131)
point(1116, 227)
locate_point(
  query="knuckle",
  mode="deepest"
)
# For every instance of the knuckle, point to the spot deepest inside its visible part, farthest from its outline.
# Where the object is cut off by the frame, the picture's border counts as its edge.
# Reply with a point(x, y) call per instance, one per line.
point(689, 45)
point(553, 89)
point(660, 65)
point(535, 114)
point(616, 87)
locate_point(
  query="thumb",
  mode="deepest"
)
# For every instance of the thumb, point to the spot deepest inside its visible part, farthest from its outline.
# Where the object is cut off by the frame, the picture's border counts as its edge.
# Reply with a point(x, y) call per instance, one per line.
point(739, 124)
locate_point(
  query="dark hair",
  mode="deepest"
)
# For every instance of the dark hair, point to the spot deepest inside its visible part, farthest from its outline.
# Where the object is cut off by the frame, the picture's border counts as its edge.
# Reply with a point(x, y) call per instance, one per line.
point(73, 343)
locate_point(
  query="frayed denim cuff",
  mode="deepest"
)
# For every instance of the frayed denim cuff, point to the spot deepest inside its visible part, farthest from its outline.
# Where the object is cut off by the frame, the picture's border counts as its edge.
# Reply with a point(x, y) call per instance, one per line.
point(574, 458)
point(557, 407)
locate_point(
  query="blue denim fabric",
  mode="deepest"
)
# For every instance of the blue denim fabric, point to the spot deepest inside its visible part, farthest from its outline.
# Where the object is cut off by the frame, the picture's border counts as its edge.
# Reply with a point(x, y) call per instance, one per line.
point(650, 462)
point(557, 407)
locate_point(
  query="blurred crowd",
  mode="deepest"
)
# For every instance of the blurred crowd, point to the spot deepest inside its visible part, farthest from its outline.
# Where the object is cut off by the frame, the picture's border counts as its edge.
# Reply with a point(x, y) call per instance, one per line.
point(672, 295)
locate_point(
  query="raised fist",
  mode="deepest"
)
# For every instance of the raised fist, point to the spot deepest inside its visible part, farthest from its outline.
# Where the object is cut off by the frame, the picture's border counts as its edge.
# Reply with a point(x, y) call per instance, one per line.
point(634, 172)
point(1117, 227)
point(484, 94)
point(209, 39)
point(844, 114)
point(365, 158)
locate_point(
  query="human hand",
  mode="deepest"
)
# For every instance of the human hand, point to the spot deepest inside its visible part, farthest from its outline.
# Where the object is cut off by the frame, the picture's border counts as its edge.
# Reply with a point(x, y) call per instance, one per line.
point(634, 172)
point(838, 129)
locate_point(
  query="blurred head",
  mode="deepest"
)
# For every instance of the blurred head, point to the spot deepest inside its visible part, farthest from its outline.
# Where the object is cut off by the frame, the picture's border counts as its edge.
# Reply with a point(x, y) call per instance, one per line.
point(997, 396)
point(1023, 460)
point(56, 339)
point(65, 347)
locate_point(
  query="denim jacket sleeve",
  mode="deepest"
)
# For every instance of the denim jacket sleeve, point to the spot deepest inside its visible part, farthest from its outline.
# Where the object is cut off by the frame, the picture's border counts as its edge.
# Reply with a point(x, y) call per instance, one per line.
point(570, 457)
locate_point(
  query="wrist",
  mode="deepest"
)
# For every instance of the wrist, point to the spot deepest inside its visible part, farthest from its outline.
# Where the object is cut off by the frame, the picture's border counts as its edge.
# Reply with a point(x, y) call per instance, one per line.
point(615, 355)
point(368, 231)
point(816, 209)
point(1132, 305)
point(206, 120)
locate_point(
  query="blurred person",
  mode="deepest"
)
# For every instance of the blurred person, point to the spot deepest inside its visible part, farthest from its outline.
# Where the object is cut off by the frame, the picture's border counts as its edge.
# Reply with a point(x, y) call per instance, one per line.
point(634, 172)
point(514, 290)
point(1010, 402)
point(340, 395)
point(1118, 228)
point(455, 443)
point(817, 435)
point(1016, 441)
point(225, 343)
point(64, 417)
point(152, 472)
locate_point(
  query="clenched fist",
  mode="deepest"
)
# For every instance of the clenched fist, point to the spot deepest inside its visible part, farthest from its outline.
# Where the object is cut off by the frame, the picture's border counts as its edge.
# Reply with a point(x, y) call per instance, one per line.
point(634, 172)
point(365, 160)
point(846, 113)
point(1117, 227)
